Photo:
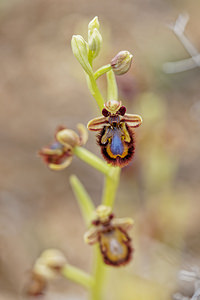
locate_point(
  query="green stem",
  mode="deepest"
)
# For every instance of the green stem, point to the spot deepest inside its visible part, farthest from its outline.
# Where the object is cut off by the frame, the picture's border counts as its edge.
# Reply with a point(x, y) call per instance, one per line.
point(92, 159)
point(102, 71)
point(90, 57)
point(99, 274)
point(78, 276)
point(110, 187)
point(92, 85)
point(112, 93)
point(85, 203)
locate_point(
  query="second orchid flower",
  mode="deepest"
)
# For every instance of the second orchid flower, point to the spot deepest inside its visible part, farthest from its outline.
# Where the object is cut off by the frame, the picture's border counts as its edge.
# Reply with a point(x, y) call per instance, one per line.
point(59, 154)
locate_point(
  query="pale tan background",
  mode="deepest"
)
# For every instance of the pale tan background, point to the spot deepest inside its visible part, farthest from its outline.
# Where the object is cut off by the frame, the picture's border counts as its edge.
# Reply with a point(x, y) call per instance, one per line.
point(42, 86)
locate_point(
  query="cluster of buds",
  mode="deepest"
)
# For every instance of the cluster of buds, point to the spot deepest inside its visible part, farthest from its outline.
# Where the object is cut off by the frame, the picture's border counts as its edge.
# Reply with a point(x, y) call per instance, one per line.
point(59, 155)
point(47, 267)
point(111, 234)
point(86, 51)
point(94, 37)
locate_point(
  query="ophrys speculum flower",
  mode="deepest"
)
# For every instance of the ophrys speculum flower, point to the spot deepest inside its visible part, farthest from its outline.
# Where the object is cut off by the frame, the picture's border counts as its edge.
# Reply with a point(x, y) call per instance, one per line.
point(116, 139)
point(116, 136)
point(111, 234)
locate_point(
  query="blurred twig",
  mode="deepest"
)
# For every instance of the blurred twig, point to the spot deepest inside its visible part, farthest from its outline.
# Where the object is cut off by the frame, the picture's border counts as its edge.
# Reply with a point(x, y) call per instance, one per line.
point(190, 276)
point(186, 64)
point(178, 296)
point(196, 295)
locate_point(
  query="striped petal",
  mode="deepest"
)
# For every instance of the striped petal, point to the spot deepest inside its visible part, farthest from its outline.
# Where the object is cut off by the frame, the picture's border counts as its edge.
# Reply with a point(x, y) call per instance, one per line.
point(132, 120)
point(124, 223)
point(83, 134)
point(62, 166)
point(97, 124)
point(91, 236)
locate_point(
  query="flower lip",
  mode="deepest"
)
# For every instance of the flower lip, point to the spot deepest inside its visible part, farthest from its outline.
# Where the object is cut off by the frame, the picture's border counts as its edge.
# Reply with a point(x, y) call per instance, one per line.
point(55, 154)
point(111, 234)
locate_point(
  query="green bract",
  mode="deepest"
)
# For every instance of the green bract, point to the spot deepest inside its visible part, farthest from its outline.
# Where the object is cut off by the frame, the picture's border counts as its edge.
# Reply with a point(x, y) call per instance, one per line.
point(79, 48)
point(95, 41)
point(93, 24)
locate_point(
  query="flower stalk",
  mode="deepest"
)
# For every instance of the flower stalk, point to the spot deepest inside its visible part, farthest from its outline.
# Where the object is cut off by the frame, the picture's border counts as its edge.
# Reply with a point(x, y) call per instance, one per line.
point(117, 146)
point(112, 174)
point(99, 269)
point(92, 160)
point(102, 70)
point(94, 90)
point(110, 186)
point(78, 276)
point(112, 91)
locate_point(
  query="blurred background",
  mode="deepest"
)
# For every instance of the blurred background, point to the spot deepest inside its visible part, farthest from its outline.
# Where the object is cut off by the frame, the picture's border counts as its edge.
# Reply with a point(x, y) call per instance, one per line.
point(43, 86)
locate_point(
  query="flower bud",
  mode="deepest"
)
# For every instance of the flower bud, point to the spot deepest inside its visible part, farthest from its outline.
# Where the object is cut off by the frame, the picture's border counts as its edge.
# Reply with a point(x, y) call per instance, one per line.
point(93, 24)
point(79, 48)
point(49, 264)
point(53, 258)
point(121, 62)
point(68, 138)
point(94, 41)
point(43, 271)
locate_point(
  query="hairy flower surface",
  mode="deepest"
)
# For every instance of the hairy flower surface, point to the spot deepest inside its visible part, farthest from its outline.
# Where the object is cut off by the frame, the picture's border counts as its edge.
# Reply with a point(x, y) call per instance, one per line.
point(59, 154)
point(116, 136)
point(111, 234)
